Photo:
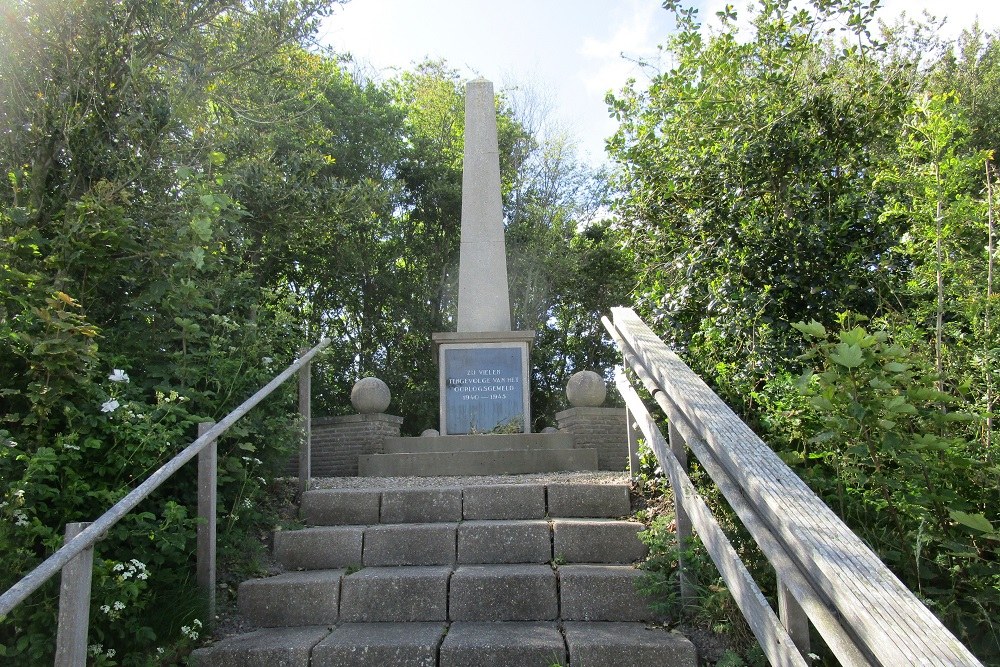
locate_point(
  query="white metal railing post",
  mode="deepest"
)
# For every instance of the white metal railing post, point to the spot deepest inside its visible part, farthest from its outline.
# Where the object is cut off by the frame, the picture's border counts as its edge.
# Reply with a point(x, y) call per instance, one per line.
point(74, 604)
point(633, 444)
point(208, 475)
point(305, 414)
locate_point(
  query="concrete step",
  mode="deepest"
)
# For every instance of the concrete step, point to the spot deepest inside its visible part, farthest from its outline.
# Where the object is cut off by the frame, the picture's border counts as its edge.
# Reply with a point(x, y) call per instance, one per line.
point(601, 593)
point(291, 599)
point(272, 647)
point(597, 541)
point(473, 644)
point(503, 501)
point(380, 645)
point(510, 442)
point(626, 645)
point(319, 548)
point(503, 593)
point(395, 595)
point(410, 544)
point(421, 505)
point(334, 507)
point(486, 542)
point(591, 501)
point(491, 462)
point(503, 645)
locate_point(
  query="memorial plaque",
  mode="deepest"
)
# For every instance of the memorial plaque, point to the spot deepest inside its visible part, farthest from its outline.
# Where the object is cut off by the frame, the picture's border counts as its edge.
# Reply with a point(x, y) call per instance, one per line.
point(484, 389)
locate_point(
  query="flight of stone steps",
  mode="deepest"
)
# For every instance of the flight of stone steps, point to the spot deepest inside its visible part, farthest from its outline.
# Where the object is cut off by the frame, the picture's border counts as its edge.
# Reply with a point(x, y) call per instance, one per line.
point(481, 575)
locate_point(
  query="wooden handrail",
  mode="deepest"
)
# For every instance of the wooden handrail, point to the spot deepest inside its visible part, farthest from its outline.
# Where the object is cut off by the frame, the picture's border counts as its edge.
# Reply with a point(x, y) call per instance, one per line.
point(861, 609)
point(86, 538)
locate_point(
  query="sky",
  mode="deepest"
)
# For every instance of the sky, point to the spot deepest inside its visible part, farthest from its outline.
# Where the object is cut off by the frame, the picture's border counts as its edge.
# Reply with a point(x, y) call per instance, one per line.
point(567, 54)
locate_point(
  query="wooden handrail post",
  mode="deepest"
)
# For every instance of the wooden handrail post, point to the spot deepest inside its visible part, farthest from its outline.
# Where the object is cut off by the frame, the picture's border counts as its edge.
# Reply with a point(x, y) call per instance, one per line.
point(682, 520)
point(208, 475)
point(633, 444)
point(305, 414)
point(74, 604)
point(793, 618)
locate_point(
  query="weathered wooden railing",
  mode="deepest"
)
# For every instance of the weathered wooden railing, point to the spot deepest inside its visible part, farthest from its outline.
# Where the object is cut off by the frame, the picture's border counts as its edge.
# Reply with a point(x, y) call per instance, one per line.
point(75, 558)
point(826, 575)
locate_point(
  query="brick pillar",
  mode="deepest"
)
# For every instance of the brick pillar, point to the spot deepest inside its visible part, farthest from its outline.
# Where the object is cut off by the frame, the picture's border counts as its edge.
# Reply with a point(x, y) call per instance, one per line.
point(337, 441)
point(603, 429)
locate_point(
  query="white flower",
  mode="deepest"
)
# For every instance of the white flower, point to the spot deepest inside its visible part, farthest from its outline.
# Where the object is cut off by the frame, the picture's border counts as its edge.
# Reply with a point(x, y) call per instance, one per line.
point(119, 605)
point(20, 518)
point(119, 567)
point(110, 653)
point(118, 375)
point(105, 609)
point(267, 361)
point(69, 446)
point(95, 649)
point(159, 650)
point(110, 406)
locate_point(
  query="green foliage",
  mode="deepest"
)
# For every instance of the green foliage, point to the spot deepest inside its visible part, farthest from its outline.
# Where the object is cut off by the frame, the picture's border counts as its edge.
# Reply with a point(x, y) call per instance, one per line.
point(892, 456)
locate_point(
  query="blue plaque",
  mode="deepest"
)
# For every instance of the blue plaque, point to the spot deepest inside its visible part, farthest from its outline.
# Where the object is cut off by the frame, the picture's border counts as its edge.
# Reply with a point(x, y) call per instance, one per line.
point(484, 390)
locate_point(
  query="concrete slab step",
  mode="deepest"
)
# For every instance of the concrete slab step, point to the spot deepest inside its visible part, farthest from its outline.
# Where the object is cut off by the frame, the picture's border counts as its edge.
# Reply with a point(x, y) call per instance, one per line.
point(319, 548)
point(272, 647)
point(503, 501)
point(335, 507)
point(493, 462)
point(601, 593)
point(626, 645)
point(511, 442)
point(485, 542)
point(291, 599)
point(597, 541)
point(503, 645)
point(421, 505)
point(395, 595)
point(588, 500)
point(379, 645)
point(503, 593)
point(410, 544)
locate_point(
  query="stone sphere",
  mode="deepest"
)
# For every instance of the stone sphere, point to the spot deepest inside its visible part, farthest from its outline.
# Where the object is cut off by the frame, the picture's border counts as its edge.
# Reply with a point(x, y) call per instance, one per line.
point(586, 390)
point(429, 433)
point(370, 396)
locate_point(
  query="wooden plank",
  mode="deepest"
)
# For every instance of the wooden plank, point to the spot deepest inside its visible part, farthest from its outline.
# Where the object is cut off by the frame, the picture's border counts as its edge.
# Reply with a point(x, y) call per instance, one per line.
point(681, 519)
point(305, 419)
point(817, 608)
point(208, 467)
point(74, 604)
point(777, 646)
point(882, 613)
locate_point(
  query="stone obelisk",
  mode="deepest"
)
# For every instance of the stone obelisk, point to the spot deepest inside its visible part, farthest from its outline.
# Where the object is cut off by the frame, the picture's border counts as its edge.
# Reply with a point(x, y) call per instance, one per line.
point(483, 301)
point(484, 378)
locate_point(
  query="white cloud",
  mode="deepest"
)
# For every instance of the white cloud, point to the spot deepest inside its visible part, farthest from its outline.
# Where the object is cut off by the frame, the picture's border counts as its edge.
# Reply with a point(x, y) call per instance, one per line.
point(610, 61)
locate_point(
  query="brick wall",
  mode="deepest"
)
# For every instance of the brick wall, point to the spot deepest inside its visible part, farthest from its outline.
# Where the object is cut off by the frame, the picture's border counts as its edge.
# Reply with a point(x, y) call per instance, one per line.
point(337, 442)
point(602, 429)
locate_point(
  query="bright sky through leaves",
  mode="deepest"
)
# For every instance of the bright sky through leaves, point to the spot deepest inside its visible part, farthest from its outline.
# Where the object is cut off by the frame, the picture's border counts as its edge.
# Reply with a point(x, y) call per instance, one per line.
point(568, 52)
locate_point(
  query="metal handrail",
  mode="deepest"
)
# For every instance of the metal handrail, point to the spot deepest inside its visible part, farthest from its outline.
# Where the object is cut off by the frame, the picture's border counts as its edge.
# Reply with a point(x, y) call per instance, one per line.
point(90, 535)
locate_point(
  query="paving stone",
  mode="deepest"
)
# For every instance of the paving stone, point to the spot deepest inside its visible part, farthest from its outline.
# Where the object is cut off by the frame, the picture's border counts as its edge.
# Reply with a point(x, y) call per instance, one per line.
point(292, 598)
point(503, 593)
point(504, 501)
point(588, 500)
point(320, 548)
point(380, 644)
point(336, 507)
point(421, 505)
point(481, 542)
point(273, 647)
point(410, 544)
point(597, 541)
point(626, 645)
point(395, 595)
point(503, 645)
point(601, 593)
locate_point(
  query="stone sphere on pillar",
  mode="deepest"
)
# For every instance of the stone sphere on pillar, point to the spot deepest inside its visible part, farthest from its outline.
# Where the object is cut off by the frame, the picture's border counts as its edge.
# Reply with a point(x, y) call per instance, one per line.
point(370, 396)
point(586, 389)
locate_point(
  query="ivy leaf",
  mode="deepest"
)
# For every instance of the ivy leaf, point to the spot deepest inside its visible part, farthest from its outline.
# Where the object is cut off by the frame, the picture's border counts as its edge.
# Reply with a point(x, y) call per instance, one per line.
point(847, 355)
point(973, 521)
point(202, 226)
